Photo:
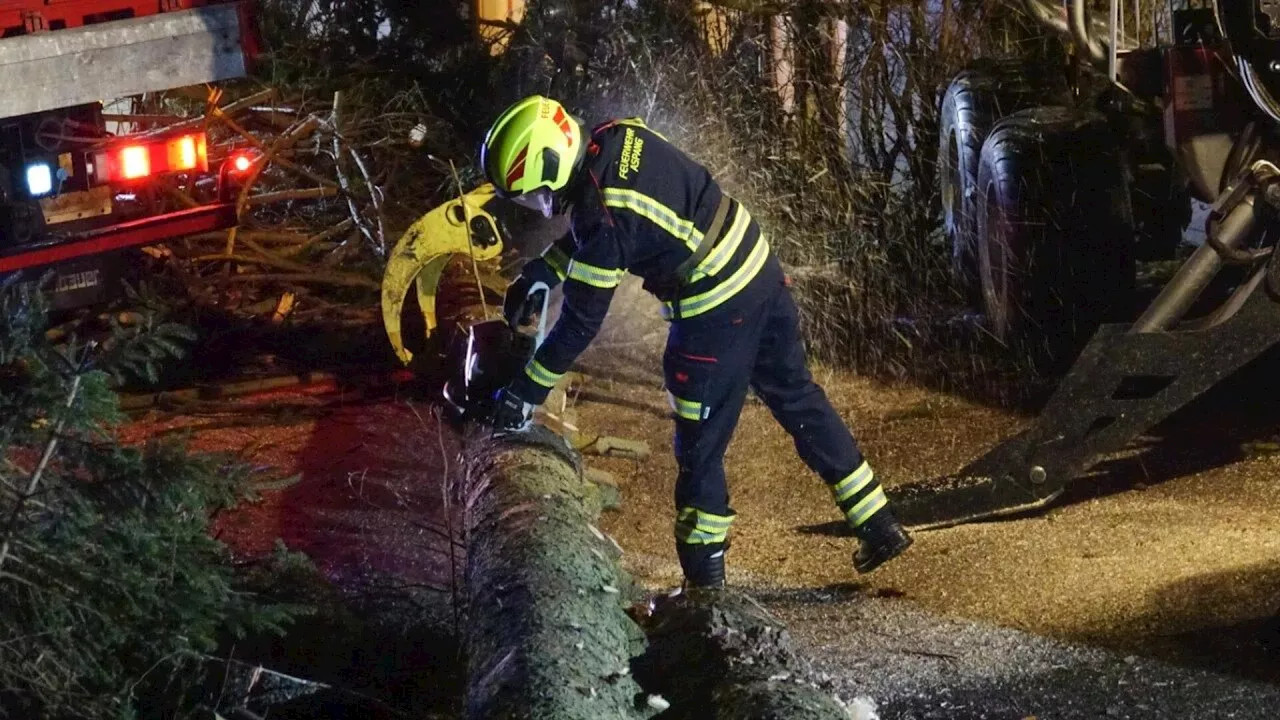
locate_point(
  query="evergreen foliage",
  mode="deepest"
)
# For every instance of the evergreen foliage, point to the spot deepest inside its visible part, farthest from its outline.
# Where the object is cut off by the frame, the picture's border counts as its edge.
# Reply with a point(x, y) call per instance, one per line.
point(111, 586)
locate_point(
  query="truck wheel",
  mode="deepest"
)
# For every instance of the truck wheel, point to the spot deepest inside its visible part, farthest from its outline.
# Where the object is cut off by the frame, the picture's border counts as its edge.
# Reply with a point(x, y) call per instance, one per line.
point(977, 97)
point(1055, 231)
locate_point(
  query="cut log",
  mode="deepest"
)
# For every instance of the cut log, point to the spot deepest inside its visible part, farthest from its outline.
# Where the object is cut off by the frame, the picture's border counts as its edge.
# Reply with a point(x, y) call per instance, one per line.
point(547, 636)
point(718, 653)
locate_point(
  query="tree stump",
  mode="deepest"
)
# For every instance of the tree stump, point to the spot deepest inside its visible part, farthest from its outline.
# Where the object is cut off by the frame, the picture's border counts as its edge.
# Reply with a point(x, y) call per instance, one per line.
point(718, 654)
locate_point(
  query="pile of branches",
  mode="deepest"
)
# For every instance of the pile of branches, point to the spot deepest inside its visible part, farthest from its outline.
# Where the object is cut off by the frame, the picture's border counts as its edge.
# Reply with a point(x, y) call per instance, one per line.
point(314, 225)
point(361, 117)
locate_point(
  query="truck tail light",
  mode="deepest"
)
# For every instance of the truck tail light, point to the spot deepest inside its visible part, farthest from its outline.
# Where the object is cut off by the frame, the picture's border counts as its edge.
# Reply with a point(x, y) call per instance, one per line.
point(240, 162)
point(189, 152)
point(137, 160)
point(235, 172)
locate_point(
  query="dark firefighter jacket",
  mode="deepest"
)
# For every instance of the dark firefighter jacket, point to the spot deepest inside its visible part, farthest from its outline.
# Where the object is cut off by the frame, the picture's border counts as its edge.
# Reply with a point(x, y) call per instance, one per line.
point(638, 205)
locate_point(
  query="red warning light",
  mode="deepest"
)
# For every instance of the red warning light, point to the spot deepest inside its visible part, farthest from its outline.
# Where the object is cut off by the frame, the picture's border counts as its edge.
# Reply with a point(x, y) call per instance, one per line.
point(135, 162)
point(187, 153)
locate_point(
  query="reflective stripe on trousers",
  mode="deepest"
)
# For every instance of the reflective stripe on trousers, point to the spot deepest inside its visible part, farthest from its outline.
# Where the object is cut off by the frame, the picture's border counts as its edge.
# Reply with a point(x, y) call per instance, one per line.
point(710, 362)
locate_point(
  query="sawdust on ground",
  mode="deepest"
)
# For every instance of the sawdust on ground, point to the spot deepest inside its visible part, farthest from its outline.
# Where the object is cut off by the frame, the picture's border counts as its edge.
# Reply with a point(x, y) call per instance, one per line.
point(1192, 552)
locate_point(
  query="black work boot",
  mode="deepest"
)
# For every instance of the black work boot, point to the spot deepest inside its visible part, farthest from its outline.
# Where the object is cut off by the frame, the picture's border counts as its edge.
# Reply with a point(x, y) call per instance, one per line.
point(703, 565)
point(882, 539)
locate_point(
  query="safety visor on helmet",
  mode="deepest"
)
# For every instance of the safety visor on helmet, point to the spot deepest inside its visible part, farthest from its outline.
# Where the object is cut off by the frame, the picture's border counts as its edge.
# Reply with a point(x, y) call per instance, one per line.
point(539, 200)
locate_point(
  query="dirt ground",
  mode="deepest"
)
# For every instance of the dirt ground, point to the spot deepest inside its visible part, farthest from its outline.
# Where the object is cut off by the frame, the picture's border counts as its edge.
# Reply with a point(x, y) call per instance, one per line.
point(1172, 557)
point(1196, 551)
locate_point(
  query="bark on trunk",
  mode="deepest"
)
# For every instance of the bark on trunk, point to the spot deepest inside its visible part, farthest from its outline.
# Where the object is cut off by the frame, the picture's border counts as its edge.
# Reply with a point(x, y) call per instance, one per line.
point(546, 635)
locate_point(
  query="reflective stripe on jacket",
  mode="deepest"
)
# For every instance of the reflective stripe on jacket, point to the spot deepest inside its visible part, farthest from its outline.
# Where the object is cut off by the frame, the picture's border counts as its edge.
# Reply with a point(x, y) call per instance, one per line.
point(639, 205)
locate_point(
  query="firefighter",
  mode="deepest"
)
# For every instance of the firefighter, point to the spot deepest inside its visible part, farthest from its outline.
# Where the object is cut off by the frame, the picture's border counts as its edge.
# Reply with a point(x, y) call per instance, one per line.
point(638, 204)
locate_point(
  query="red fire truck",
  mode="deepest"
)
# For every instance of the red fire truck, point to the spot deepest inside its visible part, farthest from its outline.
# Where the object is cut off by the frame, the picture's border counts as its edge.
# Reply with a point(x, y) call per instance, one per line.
point(76, 194)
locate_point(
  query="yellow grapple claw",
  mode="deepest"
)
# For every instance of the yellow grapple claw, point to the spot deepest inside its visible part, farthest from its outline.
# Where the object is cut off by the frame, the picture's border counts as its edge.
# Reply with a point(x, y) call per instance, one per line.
point(462, 226)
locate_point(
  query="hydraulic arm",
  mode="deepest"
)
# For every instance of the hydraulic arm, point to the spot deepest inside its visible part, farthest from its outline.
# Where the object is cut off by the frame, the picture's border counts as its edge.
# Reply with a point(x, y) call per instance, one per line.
point(1129, 378)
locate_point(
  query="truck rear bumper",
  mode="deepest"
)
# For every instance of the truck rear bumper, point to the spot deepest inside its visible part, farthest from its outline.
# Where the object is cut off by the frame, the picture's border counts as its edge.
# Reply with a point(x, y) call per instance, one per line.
point(58, 69)
point(131, 234)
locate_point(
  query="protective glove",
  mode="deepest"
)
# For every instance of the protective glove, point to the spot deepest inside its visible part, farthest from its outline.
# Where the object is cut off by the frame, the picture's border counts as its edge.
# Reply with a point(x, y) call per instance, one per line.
point(519, 304)
point(510, 413)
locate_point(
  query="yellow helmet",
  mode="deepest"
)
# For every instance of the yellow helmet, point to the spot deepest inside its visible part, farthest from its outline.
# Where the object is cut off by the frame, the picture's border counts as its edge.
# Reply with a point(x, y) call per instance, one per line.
point(533, 144)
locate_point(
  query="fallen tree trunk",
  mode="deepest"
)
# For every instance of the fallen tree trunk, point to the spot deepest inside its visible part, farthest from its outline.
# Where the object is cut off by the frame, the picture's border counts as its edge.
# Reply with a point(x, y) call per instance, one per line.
point(550, 632)
point(546, 636)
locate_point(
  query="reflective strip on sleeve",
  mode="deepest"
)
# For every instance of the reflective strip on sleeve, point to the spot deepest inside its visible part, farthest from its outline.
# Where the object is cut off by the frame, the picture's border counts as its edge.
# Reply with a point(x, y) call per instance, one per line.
point(713, 298)
point(853, 483)
point(695, 527)
point(726, 247)
point(687, 409)
point(594, 276)
point(557, 260)
point(657, 213)
point(541, 375)
point(869, 505)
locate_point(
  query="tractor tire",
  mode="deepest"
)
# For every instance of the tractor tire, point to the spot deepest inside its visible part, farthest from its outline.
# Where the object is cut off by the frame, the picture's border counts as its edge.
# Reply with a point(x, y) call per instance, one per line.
point(976, 99)
point(1055, 232)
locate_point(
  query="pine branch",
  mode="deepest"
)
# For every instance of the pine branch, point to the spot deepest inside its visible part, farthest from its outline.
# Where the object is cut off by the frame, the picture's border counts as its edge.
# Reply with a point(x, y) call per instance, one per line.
point(49, 447)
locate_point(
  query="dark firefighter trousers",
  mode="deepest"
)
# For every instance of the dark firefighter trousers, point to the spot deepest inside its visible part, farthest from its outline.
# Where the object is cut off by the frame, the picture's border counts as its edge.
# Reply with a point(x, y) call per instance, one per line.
point(710, 361)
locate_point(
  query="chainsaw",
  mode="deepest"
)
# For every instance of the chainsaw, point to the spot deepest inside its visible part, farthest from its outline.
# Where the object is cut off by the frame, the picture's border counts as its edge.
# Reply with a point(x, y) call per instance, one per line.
point(486, 358)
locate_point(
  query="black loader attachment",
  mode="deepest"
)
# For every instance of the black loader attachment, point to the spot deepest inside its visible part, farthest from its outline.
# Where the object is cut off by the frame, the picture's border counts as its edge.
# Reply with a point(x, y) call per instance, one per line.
point(1128, 378)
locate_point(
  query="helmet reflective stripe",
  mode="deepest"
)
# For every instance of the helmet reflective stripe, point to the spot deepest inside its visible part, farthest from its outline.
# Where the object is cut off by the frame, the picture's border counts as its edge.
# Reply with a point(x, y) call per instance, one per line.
point(517, 170)
point(562, 121)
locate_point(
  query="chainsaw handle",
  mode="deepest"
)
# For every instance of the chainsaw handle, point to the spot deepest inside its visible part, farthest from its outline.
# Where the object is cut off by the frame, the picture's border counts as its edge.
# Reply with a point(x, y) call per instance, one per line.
point(545, 289)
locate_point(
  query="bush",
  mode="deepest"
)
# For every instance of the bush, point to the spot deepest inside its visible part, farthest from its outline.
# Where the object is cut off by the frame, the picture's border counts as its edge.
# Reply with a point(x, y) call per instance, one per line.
point(111, 587)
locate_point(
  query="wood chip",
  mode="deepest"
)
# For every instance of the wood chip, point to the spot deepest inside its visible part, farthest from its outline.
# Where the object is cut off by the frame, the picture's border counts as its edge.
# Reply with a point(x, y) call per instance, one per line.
point(615, 544)
point(601, 477)
point(608, 446)
point(283, 308)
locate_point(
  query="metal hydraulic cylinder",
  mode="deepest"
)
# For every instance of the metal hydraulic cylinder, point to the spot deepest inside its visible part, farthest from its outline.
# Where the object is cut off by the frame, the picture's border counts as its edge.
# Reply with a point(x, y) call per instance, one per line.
point(1194, 275)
